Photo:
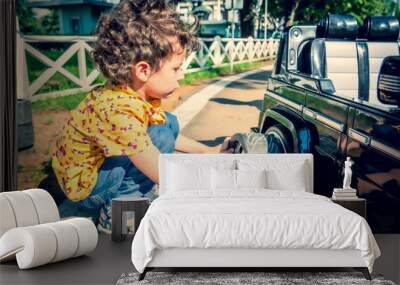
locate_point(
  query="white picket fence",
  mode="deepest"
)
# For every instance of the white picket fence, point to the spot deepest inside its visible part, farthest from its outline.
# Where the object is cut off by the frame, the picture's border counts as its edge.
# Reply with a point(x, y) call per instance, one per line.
point(214, 52)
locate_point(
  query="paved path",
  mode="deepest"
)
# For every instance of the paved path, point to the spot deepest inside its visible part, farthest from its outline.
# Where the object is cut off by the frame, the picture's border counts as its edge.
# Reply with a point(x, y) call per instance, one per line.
point(231, 105)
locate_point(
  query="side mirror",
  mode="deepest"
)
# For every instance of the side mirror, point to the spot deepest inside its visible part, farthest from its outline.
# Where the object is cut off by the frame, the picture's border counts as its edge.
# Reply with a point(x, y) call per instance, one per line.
point(326, 86)
point(389, 81)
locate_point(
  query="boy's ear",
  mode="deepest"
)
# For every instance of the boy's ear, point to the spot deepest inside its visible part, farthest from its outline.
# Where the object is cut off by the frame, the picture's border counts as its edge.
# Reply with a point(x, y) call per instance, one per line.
point(141, 70)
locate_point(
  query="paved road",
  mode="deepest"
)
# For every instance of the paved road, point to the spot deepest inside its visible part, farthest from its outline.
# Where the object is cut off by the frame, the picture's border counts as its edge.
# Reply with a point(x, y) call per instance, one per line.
point(233, 110)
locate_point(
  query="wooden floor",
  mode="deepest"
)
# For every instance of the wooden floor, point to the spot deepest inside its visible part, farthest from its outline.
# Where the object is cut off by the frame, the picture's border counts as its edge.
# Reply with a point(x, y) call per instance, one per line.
point(102, 266)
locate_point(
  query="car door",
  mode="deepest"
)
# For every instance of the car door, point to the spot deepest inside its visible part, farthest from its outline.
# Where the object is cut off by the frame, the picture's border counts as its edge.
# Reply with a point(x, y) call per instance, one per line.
point(326, 116)
point(374, 145)
point(283, 87)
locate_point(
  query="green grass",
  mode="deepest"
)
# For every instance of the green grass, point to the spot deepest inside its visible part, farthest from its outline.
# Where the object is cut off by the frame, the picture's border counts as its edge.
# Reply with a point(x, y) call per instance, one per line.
point(70, 102)
point(219, 71)
point(48, 121)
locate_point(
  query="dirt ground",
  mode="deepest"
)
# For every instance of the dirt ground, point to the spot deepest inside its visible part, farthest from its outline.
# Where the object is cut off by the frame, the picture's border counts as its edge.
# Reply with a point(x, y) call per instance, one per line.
point(47, 126)
point(233, 110)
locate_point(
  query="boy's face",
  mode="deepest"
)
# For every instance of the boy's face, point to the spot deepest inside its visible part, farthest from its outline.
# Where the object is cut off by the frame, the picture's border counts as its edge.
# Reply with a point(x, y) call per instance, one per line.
point(164, 82)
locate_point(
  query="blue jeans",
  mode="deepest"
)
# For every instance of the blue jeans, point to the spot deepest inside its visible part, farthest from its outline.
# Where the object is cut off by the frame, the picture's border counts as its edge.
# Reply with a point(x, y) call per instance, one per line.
point(118, 176)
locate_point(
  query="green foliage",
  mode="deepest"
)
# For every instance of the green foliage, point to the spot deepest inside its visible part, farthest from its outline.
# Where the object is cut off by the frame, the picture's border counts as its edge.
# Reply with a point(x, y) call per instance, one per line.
point(50, 23)
point(360, 9)
point(312, 11)
point(392, 7)
point(30, 24)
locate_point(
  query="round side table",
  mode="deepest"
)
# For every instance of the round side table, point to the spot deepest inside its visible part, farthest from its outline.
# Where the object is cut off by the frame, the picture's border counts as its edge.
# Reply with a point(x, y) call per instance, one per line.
point(121, 208)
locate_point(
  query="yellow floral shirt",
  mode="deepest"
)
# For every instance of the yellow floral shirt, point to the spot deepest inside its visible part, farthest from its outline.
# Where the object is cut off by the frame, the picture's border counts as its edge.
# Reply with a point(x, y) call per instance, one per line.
point(108, 122)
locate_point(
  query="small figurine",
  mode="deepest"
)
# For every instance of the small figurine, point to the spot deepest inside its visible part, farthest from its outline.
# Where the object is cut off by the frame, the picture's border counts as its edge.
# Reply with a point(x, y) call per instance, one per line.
point(347, 173)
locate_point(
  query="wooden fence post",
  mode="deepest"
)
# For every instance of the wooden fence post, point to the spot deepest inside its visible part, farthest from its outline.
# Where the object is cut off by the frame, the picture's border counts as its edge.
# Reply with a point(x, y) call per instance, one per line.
point(250, 48)
point(218, 58)
point(82, 65)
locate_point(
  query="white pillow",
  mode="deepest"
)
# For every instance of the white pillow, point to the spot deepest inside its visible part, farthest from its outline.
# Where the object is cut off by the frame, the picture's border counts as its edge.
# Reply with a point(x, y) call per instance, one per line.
point(290, 179)
point(183, 177)
point(235, 179)
point(251, 178)
point(223, 179)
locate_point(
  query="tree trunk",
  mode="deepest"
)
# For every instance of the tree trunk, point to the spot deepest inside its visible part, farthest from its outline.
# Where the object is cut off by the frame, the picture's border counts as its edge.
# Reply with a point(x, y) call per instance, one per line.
point(247, 21)
point(259, 23)
point(292, 14)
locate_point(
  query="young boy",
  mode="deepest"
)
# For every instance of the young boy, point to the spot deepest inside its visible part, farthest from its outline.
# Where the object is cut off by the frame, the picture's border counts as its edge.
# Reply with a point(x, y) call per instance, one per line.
point(111, 143)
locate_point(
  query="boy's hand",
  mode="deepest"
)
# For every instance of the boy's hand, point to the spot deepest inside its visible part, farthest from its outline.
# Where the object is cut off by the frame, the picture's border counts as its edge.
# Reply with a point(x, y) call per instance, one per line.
point(221, 148)
point(225, 146)
point(191, 146)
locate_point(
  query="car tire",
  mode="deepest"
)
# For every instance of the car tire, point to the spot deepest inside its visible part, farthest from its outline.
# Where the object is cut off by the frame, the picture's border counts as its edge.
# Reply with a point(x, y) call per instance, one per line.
point(279, 139)
point(251, 142)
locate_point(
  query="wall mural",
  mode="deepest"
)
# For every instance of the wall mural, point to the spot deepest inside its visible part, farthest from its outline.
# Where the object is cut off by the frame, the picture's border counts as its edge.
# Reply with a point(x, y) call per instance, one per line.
point(91, 124)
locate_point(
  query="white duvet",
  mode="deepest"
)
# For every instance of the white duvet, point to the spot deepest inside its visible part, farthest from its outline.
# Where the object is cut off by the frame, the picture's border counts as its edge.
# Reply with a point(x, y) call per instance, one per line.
point(252, 218)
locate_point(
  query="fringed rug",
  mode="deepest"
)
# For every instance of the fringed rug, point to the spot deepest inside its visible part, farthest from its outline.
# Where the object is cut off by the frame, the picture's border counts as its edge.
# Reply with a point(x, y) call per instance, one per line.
point(243, 278)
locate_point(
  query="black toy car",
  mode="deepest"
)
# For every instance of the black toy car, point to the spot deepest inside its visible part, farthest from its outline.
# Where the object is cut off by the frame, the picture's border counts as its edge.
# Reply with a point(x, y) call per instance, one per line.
point(335, 92)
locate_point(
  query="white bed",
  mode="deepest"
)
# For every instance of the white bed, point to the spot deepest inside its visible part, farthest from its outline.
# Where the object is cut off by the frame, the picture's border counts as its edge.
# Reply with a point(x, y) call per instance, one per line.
point(248, 227)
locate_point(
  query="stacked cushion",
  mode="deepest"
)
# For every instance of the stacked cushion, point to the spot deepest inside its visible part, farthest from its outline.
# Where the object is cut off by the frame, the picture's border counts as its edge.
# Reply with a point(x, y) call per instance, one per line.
point(31, 230)
point(40, 244)
point(26, 208)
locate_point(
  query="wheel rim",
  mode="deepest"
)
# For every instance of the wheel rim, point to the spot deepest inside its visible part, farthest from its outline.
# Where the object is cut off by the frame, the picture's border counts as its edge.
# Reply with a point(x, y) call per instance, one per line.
point(275, 143)
point(238, 148)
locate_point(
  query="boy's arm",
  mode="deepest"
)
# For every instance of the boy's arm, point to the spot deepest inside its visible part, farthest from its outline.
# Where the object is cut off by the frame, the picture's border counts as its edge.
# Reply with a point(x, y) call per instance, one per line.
point(189, 145)
point(147, 162)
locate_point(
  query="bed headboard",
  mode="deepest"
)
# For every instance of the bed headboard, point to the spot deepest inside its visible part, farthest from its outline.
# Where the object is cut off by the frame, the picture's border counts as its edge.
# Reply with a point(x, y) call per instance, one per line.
point(273, 161)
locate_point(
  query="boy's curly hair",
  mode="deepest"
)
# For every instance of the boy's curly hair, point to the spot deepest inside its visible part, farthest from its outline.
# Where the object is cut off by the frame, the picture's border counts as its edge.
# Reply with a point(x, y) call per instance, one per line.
point(138, 30)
